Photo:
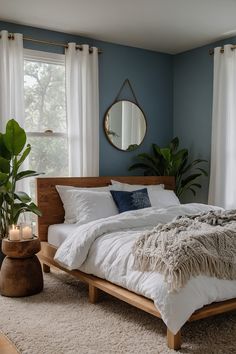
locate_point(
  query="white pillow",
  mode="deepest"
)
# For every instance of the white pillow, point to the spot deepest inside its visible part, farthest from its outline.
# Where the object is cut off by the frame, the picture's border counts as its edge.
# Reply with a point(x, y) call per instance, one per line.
point(92, 205)
point(69, 202)
point(163, 198)
point(159, 197)
point(133, 187)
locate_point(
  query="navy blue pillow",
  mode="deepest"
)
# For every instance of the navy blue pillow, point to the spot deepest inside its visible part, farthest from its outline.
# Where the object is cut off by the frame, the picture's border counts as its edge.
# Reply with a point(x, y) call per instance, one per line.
point(126, 201)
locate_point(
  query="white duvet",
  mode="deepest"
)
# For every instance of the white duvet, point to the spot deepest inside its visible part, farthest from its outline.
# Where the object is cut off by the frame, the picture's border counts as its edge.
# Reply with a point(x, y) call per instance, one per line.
point(103, 248)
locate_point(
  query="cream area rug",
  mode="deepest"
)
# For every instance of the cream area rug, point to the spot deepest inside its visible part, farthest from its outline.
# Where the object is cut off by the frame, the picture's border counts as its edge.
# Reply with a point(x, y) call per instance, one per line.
point(61, 321)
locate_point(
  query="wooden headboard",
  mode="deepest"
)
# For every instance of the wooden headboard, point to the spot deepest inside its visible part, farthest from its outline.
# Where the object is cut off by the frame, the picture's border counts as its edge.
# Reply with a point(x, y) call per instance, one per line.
point(50, 203)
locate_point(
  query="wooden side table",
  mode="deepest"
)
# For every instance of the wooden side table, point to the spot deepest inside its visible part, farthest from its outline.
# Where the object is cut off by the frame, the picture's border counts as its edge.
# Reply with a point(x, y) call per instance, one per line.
point(21, 272)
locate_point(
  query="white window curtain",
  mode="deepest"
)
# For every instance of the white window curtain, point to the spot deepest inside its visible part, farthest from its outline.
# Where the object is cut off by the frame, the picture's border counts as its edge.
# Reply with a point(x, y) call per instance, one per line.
point(222, 189)
point(82, 110)
point(12, 86)
point(11, 79)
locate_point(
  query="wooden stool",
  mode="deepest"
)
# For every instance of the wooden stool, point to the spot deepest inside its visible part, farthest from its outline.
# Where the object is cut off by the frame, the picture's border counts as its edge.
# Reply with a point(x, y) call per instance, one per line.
point(21, 272)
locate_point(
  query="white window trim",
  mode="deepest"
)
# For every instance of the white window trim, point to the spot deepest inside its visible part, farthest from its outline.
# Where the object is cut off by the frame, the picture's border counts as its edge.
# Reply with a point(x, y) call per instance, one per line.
point(45, 57)
point(46, 133)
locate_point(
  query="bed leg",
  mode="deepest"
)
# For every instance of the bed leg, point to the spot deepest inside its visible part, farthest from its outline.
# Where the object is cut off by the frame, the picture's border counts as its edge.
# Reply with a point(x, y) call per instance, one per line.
point(173, 340)
point(93, 294)
point(46, 268)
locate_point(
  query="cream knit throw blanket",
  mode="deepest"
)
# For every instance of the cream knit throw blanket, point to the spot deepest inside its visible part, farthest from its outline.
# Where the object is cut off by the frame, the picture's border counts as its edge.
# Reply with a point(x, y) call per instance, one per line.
point(189, 246)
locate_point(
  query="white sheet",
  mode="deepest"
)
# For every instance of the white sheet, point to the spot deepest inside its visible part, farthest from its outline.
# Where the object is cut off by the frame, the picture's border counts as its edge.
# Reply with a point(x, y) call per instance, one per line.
point(58, 233)
point(103, 248)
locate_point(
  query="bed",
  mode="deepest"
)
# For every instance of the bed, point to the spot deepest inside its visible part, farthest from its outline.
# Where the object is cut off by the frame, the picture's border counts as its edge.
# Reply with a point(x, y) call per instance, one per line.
point(53, 214)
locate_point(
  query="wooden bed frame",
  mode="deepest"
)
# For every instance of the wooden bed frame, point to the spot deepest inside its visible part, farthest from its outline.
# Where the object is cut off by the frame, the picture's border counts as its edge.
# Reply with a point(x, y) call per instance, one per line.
point(53, 213)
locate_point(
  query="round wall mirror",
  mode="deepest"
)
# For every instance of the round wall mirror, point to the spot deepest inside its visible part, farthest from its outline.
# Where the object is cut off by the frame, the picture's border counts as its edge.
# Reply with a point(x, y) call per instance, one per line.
point(125, 125)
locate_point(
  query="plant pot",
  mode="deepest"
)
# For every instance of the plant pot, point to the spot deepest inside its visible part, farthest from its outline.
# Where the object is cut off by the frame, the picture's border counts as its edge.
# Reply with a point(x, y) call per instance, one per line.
point(2, 255)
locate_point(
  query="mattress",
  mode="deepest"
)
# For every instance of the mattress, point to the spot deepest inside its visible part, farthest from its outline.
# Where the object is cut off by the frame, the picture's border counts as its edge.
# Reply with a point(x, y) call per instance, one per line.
point(59, 232)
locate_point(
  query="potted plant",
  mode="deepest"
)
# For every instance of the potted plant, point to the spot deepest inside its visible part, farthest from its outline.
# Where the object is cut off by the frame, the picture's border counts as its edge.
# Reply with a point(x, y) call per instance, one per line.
point(169, 161)
point(13, 152)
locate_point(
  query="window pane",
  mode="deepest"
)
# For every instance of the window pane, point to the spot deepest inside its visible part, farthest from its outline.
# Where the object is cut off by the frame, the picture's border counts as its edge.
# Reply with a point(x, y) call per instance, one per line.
point(49, 155)
point(45, 108)
point(44, 97)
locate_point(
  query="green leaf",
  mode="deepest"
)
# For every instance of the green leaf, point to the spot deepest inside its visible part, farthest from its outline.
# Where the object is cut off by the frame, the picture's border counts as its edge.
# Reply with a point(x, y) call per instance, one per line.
point(183, 165)
point(19, 208)
point(178, 161)
point(24, 155)
point(132, 147)
point(15, 137)
point(22, 196)
point(8, 198)
point(192, 164)
point(166, 153)
point(3, 149)
point(143, 166)
point(3, 178)
point(156, 151)
point(145, 156)
point(3, 189)
point(190, 178)
point(151, 161)
point(193, 191)
point(4, 165)
point(174, 144)
point(34, 209)
point(204, 172)
point(198, 185)
point(181, 154)
point(190, 186)
point(25, 174)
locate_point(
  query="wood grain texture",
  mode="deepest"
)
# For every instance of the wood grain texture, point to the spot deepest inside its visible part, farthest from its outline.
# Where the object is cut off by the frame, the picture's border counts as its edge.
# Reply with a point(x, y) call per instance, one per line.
point(46, 256)
point(21, 249)
point(93, 294)
point(213, 309)
point(50, 204)
point(46, 268)
point(173, 340)
point(21, 272)
point(6, 346)
point(21, 277)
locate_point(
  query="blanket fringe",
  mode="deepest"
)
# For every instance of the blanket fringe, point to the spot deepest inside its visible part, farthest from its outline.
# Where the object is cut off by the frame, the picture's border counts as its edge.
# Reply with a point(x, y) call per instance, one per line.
point(188, 248)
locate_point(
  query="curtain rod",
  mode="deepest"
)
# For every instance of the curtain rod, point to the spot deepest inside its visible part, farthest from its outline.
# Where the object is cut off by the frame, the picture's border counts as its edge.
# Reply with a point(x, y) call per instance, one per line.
point(58, 44)
point(211, 51)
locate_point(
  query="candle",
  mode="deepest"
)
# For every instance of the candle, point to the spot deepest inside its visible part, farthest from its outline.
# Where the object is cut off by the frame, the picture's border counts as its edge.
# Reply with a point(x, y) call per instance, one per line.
point(27, 232)
point(14, 233)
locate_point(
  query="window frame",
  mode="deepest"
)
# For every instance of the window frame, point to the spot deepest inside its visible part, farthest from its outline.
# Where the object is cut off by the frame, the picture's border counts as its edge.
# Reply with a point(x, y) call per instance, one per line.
point(49, 58)
point(38, 55)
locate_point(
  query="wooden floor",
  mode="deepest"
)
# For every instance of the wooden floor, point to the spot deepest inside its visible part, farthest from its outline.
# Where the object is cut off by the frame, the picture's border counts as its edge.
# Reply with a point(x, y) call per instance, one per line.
point(6, 347)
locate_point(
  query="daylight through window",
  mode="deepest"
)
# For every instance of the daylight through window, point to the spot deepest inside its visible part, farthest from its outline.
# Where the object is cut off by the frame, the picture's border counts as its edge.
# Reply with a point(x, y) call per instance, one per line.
point(45, 112)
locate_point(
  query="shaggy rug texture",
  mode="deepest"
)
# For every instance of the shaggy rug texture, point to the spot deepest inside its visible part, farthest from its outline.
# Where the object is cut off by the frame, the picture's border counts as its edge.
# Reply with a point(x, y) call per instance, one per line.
point(61, 321)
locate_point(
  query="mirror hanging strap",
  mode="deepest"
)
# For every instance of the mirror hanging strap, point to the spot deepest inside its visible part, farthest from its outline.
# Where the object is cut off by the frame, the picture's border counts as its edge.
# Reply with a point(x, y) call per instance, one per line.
point(131, 89)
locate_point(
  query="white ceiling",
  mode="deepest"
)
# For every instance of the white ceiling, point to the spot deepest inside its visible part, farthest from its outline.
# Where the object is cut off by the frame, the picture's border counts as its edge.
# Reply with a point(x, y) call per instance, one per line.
point(170, 26)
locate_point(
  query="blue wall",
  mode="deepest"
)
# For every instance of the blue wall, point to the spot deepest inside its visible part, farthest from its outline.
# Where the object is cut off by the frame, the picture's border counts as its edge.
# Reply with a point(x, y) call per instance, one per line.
point(192, 103)
point(175, 92)
point(150, 74)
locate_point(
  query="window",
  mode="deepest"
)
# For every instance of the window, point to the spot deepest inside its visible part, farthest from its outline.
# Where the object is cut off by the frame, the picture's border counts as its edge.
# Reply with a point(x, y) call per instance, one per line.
point(45, 112)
